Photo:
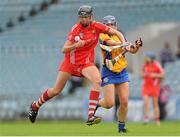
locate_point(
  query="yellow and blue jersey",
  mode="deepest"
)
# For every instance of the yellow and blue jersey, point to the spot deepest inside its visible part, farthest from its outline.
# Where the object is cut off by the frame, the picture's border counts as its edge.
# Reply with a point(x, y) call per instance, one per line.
point(119, 73)
point(122, 62)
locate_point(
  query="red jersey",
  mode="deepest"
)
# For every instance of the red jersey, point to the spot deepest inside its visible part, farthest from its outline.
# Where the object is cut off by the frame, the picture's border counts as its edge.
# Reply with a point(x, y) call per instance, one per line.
point(85, 54)
point(153, 67)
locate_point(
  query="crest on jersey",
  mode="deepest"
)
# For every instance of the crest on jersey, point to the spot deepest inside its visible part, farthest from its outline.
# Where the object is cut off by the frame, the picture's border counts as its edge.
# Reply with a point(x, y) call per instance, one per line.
point(81, 35)
point(105, 80)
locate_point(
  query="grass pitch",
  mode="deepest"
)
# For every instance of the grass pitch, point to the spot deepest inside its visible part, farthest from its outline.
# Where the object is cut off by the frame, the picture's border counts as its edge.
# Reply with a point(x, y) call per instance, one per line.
point(79, 128)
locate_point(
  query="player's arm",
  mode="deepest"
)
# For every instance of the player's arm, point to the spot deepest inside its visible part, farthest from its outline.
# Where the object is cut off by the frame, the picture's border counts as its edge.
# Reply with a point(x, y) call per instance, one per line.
point(112, 42)
point(130, 48)
point(157, 75)
point(119, 34)
point(69, 45)
point(160, 72)
point(135, 48)
point(143, 73)
point(105, 39)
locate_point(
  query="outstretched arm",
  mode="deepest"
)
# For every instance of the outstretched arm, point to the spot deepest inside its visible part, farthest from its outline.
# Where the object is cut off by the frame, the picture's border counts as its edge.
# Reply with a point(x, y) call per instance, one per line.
point(157, 75)
point(133, 49)
point(118, 33)
point(112, 42)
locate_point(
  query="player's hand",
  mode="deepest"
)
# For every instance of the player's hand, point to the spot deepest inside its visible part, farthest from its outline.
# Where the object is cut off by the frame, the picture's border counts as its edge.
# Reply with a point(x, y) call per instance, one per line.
point(138, 43)
point(153, 75)
point(80, 43)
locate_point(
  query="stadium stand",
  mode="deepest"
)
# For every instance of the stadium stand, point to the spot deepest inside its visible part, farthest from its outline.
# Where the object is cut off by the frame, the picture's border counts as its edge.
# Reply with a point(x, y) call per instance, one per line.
point(30, 53)
point(11, 9)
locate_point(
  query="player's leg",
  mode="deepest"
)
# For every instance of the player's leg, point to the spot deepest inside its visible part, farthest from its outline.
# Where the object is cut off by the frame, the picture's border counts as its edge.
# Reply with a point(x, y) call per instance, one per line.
point(48, 94)
point(109, 99)
point(92, 73)
point(156, 109)
point(54, 91)
point(123, 93)
point(146, 109)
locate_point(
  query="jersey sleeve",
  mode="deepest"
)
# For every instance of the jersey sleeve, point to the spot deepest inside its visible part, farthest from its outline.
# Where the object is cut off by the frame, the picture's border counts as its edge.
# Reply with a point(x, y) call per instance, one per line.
point(72, 34)
point(71, 37)
point(101, 27)
point(159, 68)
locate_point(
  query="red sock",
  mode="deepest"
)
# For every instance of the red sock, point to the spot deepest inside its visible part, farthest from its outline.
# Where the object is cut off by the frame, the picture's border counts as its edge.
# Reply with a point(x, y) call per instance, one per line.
point(43, 98)
point(93, 101)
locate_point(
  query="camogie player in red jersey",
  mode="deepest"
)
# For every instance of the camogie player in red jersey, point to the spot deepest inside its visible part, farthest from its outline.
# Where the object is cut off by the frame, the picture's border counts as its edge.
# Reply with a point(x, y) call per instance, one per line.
point(79, 61)
point(152, 74)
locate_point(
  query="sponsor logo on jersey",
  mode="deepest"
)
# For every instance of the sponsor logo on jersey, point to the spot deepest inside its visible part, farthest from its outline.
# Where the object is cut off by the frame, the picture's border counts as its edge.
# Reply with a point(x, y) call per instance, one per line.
point(94, 31)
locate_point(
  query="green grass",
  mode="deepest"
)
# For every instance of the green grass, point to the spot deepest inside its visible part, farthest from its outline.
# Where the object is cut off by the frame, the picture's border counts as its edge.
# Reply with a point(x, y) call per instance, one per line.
point(79, 128)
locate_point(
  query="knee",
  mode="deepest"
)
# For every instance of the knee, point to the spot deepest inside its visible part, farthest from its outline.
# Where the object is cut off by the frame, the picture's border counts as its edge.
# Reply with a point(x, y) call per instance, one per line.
point(96, 82)
point(124, 102)
point(109, 104)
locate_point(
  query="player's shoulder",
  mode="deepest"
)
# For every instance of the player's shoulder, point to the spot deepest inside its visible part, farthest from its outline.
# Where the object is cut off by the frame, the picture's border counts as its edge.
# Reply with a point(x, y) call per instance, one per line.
point(96, 23)
point(144, 65)
point(103, 36)
point(75, 28)
point(157, 64)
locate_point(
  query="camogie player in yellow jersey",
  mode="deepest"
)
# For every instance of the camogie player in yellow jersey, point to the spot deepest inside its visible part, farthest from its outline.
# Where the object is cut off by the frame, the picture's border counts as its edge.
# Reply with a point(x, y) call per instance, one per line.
point(114, 73)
